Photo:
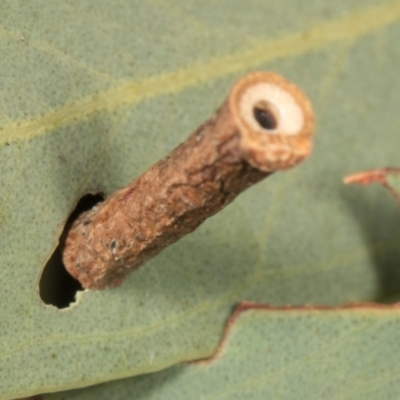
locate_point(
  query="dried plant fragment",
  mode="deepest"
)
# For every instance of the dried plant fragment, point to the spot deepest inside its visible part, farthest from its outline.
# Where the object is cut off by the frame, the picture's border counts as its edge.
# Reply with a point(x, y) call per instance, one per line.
point(265, 125)
point(382, 176)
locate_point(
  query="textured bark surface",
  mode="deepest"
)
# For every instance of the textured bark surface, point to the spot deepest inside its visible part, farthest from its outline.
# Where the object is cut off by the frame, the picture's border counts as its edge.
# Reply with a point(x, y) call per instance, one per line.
point(201, 176)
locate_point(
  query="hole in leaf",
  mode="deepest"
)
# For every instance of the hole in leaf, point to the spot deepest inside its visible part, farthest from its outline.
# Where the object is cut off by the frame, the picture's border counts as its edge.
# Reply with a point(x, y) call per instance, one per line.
point(57, 287)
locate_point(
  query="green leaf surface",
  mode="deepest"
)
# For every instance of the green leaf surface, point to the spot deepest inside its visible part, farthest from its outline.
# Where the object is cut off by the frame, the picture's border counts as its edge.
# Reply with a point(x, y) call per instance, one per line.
point(281, 354)
point(92, 93)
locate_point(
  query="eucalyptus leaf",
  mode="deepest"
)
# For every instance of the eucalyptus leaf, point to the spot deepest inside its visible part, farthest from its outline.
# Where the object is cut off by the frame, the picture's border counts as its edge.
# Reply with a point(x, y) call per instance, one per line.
point(347, 354)
point(93, 93)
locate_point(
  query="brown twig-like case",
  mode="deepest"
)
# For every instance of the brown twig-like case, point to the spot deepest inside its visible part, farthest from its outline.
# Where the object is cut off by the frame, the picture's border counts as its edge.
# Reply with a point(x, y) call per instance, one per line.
point(265, 125)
